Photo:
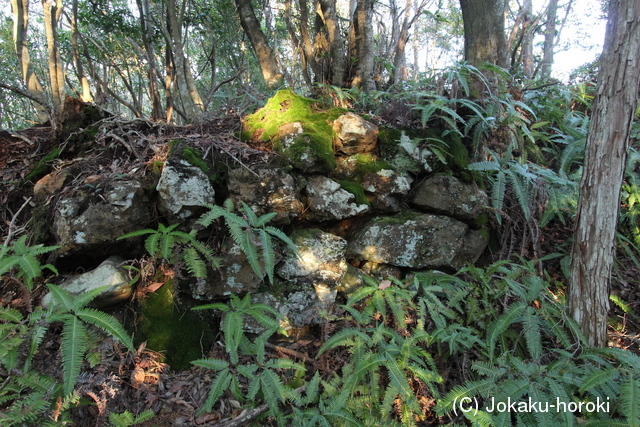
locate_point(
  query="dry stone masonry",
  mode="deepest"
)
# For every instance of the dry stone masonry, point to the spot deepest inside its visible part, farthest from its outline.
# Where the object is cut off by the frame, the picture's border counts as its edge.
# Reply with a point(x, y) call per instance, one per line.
point(353, 206)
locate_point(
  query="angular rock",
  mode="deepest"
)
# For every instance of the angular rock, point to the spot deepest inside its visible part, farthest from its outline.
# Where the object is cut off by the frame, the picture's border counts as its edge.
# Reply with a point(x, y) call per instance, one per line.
point(90, 223)
point(385, 185)
point(417, 241)
point(447, 195)
point(411, 155)
point(329, 202)
point(355, 135)
point(266, 190)
point(323, 262)
point(183, 189)
point(298, 309)
point(109, 273)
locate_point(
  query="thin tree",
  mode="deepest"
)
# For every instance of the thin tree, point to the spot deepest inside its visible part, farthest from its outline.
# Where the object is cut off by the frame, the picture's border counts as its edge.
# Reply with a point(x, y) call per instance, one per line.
point(605, 160)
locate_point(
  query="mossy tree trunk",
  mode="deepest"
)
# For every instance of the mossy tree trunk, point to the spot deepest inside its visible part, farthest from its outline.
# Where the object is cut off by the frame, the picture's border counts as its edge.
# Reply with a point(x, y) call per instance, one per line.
point(605, 161)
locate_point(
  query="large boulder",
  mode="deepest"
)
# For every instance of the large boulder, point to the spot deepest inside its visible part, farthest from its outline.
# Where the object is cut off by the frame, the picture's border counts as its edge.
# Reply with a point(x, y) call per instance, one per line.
point(328, 201)
point(322, 263)
point(183, 189)
point(417, 241)
point(447, 195)
point(89, 222)
point(355, 135)
point(111, 274)
point(266, 190)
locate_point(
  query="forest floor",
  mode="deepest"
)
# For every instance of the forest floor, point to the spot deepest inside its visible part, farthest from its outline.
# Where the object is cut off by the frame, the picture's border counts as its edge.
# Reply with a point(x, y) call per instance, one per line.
point(135, 382)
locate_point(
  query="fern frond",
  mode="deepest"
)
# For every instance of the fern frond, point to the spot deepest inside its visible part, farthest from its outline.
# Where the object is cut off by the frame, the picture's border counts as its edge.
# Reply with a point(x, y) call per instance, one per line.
point(522, 192)
point(598, 377)
point(72, 347)
point(280, 235)
point(268, 254)
point(138, 233)
point(497, 194)
point(107, 323)
point(531, 325)
point(218, 387)
point(195, 266)
point(61, 296)
point(630, 400)
point(166, 246)
point(502, 323)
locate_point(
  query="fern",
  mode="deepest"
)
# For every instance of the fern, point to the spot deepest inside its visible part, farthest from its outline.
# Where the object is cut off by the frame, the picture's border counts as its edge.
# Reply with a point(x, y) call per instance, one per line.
point(24, 260)
point(252, 234)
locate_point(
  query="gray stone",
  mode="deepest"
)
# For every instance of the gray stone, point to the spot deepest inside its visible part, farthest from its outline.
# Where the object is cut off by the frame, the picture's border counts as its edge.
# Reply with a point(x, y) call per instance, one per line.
point(183, 189)
point(322, 264)
point(416, 241)
point(355, 135)
point(109, 273)
point(447, 195)
point(90, 223)
point(234, 276)
point(265, 191)
point(385, 187)
point(295, 145)
point(412, 155)
point(330, 202)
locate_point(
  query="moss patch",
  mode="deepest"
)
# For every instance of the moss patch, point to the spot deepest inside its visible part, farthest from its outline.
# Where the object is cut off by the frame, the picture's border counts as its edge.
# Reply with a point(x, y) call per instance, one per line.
point(41, 167)
point(288, 107)
point(356, 189)
point(172, 329)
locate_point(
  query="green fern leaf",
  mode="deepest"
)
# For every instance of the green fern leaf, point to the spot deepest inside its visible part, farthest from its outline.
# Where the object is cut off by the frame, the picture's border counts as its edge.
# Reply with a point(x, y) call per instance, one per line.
point(531, 325)
point(497, 194)
point(264, 219)
point(137, 233)
point(283, 237)
point(502, 323)
point(85, 298)
point(72, 347)
point(195, 266)
point(218, 387)
point(61, 297)
point(522, 192)
point(630, 400)
point(597, 378)
point(166, 246)
point(152, 244)
point(268, 254)
point(107, 323)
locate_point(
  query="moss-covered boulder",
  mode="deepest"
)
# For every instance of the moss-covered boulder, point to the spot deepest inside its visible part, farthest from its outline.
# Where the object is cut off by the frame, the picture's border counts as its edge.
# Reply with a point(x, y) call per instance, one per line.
point(297, 128)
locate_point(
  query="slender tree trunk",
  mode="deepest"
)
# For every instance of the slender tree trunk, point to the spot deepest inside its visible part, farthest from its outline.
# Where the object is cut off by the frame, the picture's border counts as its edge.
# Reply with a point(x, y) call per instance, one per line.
point(266, 57)
point(20, 29)
point(605, 160)
point(549, 39)
point(84, 82)
point(152, 72)
point(337, 55)
point(52, 10)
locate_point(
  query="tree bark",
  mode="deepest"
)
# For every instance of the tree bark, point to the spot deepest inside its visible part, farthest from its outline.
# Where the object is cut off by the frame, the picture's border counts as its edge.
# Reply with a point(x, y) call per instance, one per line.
point(266, 57)
point(549, 39)
point(605, 158)
point(362, 44)
point(484, 38)
point(152, 72)
point(20, 29)
point(52, 10)
point(84, 82)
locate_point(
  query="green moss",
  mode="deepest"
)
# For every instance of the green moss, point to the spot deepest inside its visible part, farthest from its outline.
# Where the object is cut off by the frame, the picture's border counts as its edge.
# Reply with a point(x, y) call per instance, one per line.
point(288, 107)
point(173, 330)
point(356, 189)
point(41, 167)
point(366, 163)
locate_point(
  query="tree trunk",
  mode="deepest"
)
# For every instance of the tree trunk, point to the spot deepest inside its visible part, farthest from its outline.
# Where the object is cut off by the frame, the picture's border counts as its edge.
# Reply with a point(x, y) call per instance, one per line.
point(266, 57)
point(549, 39)
point(484, 38)
point(20, 29)
point(84, 82)
point(152, 71)
point(52, 10)
point(337, 55)
point(605, 159)
point(362, 45)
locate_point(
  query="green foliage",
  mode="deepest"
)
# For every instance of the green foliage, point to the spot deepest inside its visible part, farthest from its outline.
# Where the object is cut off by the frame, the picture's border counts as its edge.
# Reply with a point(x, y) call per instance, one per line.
point(127, 419)
point(23, 260)
point(27, 395)
point(41, 167)
point(252, 234)
point(355, 189)
point(262, 377)
point(501, 171)
point(176, 246)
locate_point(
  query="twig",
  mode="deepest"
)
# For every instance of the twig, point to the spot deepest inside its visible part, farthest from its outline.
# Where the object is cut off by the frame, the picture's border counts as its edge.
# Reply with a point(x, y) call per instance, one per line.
point(290, 352)
point(13, 221)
